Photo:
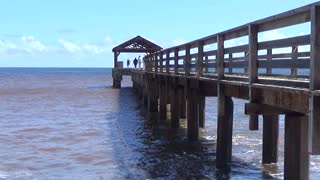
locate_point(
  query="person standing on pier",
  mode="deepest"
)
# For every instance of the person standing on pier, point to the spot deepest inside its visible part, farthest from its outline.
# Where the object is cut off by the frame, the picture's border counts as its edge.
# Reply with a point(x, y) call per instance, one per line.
point(139, 62)
point(135, 62)
point(128, 63)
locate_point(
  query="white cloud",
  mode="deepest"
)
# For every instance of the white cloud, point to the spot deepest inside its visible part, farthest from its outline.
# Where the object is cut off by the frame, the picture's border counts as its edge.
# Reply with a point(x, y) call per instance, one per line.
point(91, 49)
point(70, 46)
point(31, 45)
point(10, 48)
point(94, 49)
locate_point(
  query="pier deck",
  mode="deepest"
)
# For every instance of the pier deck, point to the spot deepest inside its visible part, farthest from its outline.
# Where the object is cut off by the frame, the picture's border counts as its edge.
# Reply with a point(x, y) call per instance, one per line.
point(184, 75)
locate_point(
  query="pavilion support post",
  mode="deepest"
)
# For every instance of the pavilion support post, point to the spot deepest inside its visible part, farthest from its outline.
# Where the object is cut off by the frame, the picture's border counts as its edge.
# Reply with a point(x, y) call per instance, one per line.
point(202, 110)
point(192, 92)
point(153, 113)
point(115, 63)
point(270, 139)
point(296, 157)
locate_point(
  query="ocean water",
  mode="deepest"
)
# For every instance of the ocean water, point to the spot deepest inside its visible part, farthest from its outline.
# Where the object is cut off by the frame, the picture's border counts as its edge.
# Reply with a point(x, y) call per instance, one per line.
point(70, 124)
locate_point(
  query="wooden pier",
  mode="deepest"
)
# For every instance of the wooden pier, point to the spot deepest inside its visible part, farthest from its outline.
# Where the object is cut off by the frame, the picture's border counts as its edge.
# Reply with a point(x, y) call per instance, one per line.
point(183, 76)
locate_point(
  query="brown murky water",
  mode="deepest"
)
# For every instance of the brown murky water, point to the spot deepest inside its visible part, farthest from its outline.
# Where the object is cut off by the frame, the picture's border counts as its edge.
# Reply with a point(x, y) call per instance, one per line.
point(70, 124)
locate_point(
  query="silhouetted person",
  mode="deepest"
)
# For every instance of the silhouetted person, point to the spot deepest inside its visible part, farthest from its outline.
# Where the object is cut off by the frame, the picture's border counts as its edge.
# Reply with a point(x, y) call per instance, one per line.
point(139, 62)
point(128, 63)
point(135, 62)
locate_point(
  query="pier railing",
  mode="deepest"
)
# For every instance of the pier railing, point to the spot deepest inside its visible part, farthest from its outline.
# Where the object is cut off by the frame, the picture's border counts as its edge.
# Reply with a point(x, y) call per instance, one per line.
point(254, 60)
point(275, 82)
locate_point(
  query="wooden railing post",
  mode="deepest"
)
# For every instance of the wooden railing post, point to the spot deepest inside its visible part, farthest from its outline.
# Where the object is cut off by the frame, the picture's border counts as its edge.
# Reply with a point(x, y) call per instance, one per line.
point(225, 113)
point(176, 59)
point(220, 57)
point(253, 72)
point(156, 61)
point(246, 61)
point(230, 62)
point(269, 58)
point(294, 55)
point(167, 62)
point(161, 62)
point(206, 64)
point(200, 59)
point(187, 60)
point(314, 106)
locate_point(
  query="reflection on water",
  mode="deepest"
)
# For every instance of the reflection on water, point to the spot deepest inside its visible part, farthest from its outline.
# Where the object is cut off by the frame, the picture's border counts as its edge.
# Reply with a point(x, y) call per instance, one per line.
point(70, 124)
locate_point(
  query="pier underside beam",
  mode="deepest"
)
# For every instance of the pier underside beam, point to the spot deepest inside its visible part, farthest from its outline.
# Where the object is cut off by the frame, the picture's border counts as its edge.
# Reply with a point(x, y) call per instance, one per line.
point(263, 109)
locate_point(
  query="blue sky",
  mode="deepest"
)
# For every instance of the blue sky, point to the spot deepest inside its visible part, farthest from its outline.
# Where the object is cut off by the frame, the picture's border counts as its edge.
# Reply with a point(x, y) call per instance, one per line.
point(81, 33)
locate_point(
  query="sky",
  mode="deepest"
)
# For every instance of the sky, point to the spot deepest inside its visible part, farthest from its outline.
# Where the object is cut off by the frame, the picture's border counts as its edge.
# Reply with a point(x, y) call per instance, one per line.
point(82, 33)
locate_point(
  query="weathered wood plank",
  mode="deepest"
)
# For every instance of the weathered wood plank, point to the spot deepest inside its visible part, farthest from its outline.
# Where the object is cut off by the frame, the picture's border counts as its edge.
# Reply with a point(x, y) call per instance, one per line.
point(230, 63)
point(284, 63)
point(289, 18)
point(167, 62)
point(175, 105)
point(270, 139)
point(192, 109)
point(176, 59)
point(224, 130)
point(253, 72)
point(152, 94)
point(314, 135)
point(183, 103)
point(288, 42)
point(269, 58)
point(187, 60)
point(296, 157)
point(283, 97)
point(161, 62)
point(163, 93)
point(200, 59)
point(263, 109)
point(236, 49)
point(220, 57)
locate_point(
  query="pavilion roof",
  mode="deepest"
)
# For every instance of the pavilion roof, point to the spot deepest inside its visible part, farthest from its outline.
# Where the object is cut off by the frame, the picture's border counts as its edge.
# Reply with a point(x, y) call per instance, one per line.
point(137, 44)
